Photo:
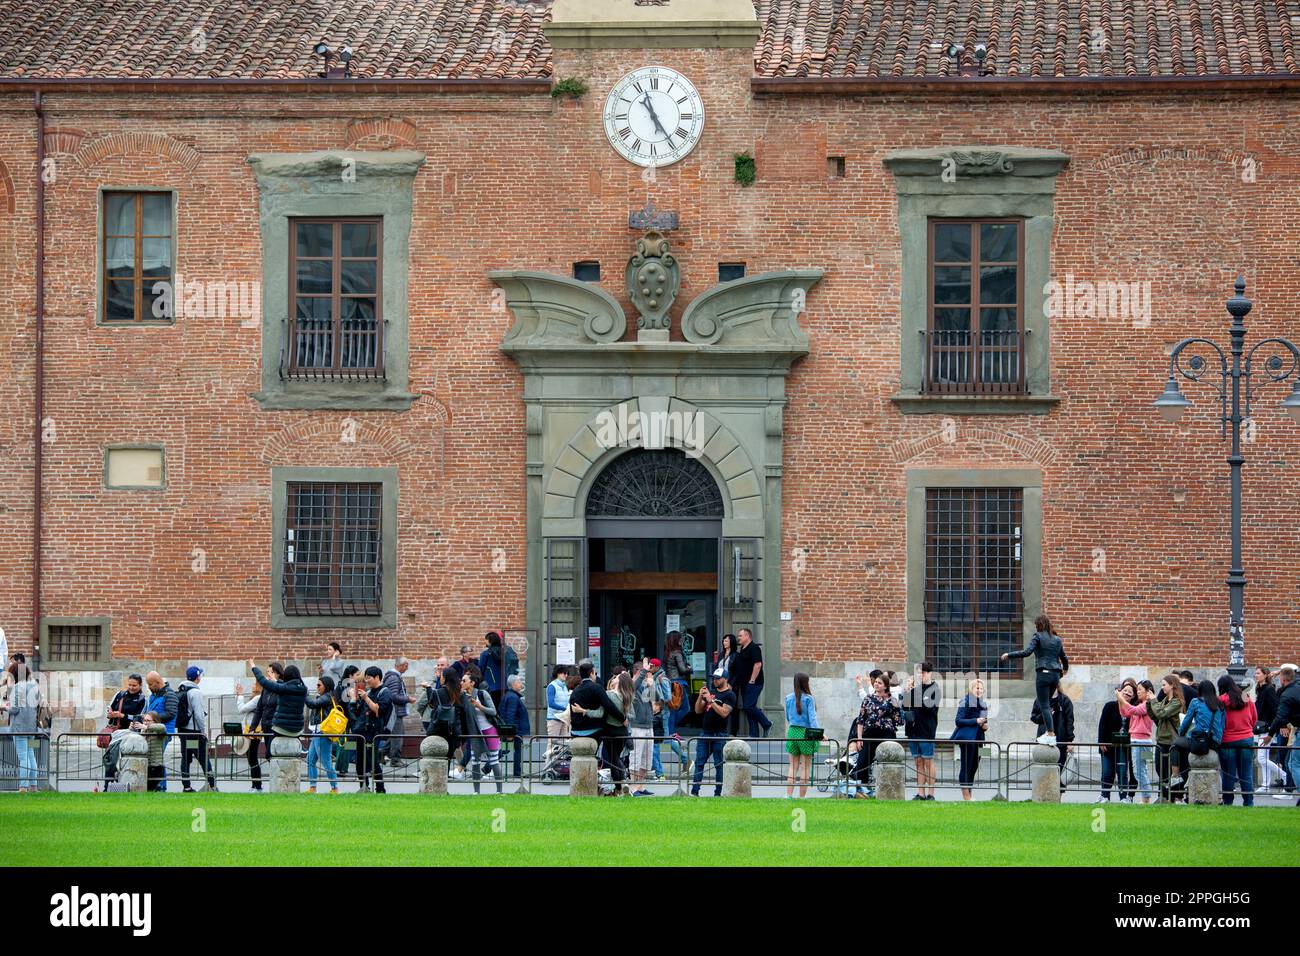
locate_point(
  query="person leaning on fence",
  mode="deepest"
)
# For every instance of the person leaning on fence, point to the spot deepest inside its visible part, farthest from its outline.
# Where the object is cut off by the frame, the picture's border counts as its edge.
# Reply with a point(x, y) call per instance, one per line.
point(192, 728)
point(125, 708)
point(1236, 752)
point(1141, 730)
point(23, 704)
point(485, 742)
point(1050, 663)
point(1113, 740)
point(1287, 718)
point(921, 715)
point(1166, 710)
point(321, 751)
point(1201, 730)
point(376, 707)
point(800, 718)
point(514, 713)
point(972, 721)
point(1062, 711)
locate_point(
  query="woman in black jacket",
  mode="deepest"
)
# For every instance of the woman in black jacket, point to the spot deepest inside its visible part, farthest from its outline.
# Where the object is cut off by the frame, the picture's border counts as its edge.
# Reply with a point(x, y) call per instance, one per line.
point(1112, 734)
point(260, 722)
point(290, 698)
point(1050, 663)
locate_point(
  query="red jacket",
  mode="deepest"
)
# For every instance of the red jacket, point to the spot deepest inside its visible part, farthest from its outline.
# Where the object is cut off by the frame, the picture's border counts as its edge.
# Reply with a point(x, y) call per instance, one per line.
point(1239, 724)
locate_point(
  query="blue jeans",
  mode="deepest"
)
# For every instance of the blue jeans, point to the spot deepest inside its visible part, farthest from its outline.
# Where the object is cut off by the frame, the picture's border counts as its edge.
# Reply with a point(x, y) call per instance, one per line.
point(1293, 762)
point(1110, 765)
point(1237, 765)
point(322, 751)
point(1142, 752)
point(710, 744)
point(27, 765)
point(753, 713)
point(672, 716)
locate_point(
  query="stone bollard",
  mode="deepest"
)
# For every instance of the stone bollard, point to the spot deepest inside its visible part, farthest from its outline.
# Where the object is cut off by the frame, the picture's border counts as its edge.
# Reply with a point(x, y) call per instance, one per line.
point(1203, 780)
point(891, 771)
point(133, 763)
point(286, 764)
point(737, 773)
point(433, 765)
point(584, 781)
point(1045, 774)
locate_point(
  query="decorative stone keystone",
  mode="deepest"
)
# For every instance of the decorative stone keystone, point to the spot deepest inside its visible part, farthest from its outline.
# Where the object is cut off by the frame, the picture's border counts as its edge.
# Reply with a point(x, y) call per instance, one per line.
point(1045, 774)
point(891, 771)
point(133, 763)
point(286, 764)
point(737, 774)
point(1203, 780)
point(433, 765)
point(583, 778)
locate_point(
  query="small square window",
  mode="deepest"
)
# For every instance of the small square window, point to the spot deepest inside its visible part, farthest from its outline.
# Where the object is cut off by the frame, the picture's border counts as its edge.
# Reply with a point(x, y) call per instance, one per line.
point(835, 168)
point(587, 271)
point(75, 643)
point(729, 271)
point(134, 468)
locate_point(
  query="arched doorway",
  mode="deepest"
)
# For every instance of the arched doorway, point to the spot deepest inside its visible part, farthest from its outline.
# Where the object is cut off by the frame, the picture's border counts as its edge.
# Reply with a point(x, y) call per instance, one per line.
point(653, 528)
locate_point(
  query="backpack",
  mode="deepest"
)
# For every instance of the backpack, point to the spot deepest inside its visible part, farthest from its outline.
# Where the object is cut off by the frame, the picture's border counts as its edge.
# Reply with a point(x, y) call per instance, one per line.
point(675, 702)
point(183, 709)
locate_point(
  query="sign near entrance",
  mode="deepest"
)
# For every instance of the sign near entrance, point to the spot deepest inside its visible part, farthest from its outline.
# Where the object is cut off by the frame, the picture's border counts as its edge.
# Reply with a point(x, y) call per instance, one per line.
point(593, 639)
point(566, 650)
point(672, 622)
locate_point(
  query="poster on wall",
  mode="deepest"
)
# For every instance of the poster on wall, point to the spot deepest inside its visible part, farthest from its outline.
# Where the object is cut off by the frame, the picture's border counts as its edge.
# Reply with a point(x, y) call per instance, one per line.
point(566, 650)
point(593, 639)
point(672, 622)
point(697, 662)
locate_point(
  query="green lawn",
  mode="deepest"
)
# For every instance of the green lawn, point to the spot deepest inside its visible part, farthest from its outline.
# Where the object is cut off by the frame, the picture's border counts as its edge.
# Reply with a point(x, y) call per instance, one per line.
point(88, 829)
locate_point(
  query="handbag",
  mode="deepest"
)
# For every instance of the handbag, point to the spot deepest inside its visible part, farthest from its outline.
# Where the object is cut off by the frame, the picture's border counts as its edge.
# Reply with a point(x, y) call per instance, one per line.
point(105, 737)
point(814, 733)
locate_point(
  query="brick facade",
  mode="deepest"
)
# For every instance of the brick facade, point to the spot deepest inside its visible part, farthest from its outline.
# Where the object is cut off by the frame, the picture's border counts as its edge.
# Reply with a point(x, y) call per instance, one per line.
point(1154, 191)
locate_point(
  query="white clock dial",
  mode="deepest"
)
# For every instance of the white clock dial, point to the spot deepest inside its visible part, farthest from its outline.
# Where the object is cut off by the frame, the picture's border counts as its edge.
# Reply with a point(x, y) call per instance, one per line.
point(654, 116)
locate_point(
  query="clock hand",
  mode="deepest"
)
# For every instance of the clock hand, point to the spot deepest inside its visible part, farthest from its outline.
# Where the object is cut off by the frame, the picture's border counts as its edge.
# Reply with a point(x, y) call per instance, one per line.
point(653, 115)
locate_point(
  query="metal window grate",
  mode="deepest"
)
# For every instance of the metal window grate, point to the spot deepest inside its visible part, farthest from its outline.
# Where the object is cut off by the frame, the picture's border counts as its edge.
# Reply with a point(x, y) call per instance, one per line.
point(75, 643)
point(333, 538)
point(974, 600)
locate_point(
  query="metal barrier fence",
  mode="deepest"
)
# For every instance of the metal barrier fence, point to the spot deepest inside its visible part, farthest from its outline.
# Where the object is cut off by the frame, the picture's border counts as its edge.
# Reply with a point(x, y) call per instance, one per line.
point(25, 761)
point(982, 759)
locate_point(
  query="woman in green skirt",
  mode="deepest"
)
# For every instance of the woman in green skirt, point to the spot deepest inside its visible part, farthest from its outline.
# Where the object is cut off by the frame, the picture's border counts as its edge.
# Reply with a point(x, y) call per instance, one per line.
point(800, 717)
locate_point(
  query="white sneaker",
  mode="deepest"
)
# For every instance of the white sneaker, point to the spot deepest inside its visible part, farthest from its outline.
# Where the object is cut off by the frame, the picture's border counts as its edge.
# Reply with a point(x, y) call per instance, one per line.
point(1102, 800)
point(1048, 739)
point(455, 773)
point(1283, 795)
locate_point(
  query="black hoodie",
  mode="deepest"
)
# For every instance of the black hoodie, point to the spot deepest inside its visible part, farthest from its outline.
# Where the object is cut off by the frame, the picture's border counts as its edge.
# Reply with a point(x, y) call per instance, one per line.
point(290, 697)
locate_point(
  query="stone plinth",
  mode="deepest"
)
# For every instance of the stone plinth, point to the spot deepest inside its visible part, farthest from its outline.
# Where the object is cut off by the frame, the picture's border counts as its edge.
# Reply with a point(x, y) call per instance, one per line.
point(737, 773)
point(433, 765)
point(133, 763)
point(286, 765)
point(1203, 780)
point(1045, 774)
point(891, 771)
point(583, 778)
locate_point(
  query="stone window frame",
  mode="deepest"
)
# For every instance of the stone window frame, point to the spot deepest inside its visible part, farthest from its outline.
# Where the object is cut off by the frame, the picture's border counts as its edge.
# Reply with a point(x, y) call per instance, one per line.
point(981, 182)
point(335, 184)
point(102, 663)
point(1030, 483)
point(280, 480)
point(99, 254)
point(136, 446)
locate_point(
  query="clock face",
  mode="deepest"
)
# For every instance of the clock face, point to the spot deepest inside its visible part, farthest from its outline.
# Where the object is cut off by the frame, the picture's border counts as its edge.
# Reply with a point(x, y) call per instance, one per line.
point(654, 116)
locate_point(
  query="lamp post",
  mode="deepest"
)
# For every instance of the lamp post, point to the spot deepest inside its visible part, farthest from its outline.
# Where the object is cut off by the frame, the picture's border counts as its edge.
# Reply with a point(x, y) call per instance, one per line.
point(1235, 386)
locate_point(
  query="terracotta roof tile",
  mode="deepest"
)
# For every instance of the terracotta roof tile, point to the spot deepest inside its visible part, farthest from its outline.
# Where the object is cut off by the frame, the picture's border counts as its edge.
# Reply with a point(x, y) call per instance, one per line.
point(502, 39)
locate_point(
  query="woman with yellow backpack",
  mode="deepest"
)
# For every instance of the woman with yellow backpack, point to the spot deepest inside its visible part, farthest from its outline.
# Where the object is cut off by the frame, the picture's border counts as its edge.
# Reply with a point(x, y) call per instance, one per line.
point(327, 720)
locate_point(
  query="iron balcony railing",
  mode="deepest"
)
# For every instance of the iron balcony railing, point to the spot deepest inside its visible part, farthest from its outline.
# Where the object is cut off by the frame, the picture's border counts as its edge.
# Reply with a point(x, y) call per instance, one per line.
point(965, 363)
point(318, 350)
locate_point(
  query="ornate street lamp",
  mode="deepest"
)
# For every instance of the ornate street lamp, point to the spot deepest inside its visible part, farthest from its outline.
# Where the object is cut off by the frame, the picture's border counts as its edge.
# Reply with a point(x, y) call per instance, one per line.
point(1232, 382)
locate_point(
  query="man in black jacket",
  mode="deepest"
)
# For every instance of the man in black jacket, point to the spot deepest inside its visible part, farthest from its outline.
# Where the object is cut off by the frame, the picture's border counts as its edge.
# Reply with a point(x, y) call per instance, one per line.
point(593, 699)
point(376, 711)
point(1288, 715)
point(921, 709)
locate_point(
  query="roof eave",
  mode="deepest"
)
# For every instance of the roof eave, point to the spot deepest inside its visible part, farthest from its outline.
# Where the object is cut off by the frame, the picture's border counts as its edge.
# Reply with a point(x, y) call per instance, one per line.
point(308, 85)
point(1017, 85)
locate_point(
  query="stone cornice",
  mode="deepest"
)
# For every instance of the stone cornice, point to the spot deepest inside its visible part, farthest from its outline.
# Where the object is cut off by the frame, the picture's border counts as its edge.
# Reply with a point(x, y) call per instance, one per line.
point(971, 161)
point(327, 163)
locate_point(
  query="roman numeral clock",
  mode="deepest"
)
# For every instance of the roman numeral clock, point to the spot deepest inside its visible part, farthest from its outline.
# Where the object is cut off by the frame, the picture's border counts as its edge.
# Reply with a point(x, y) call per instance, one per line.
point(654, 116)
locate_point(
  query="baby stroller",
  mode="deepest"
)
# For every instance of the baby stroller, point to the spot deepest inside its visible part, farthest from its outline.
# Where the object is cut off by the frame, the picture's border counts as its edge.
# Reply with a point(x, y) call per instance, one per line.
point(840, 775)
point(556, 764)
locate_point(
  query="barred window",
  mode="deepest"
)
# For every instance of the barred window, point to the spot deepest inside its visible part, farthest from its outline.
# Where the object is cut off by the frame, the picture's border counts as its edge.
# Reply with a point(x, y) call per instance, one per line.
point(974, 599)
point(332, 549)
point(335, 267)
point(976, 329)
point(74, 644)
